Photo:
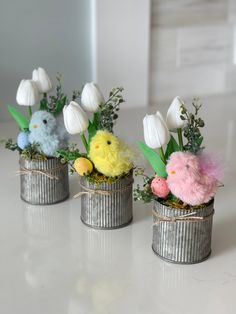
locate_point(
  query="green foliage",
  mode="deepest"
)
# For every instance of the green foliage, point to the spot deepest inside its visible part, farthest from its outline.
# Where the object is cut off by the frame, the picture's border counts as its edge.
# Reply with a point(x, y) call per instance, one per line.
point(172, 146)
point(143, 193)
point(55, 104)
point(9, 144)
point(30, 152)
point(192, 130)
point(20, 119)
point(154, 159)
point(70, 154)
point(109, 110)
point(93, 125)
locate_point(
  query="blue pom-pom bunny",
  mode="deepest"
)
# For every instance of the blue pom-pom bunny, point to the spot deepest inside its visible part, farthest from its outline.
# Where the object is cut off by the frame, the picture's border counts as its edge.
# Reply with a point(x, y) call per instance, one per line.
point(47, 132)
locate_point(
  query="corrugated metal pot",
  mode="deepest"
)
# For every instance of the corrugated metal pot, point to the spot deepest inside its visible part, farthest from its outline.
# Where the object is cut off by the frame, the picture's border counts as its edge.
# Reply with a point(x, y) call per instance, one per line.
point(109, 205)
point(43, 182)
point(182, 235)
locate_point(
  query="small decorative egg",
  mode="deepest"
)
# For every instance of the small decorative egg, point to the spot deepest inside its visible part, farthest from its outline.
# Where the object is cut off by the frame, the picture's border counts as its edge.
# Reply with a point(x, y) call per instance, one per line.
point(83, 166)
point(23, 140)
point(159, 187)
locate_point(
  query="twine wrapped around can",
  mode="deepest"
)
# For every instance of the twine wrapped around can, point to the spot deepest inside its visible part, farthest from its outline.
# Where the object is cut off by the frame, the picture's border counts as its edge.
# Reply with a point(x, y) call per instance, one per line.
point(107, 206)
point(182, 235)
point(43, 182)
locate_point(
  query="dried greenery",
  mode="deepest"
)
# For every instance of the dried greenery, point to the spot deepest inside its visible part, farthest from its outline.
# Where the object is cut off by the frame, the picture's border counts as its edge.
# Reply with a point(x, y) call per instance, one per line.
point(32, 152)
point(192, 129)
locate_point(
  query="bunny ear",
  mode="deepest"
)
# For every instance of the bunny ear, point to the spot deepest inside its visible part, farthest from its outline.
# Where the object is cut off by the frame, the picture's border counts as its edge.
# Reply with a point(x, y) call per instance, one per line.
point(20, 119)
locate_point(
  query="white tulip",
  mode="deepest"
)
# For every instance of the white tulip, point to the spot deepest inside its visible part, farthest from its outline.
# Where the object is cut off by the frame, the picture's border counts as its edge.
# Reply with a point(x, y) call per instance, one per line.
point(42, 80)
point(75, 119)
point(156, 133)
point(91, 97)
point(27, 93)
point(173, 119)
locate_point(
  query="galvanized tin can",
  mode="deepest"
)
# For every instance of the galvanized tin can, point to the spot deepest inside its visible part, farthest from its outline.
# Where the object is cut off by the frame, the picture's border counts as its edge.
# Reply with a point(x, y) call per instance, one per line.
point(180, 235)
point(109, 205)
point(43, 182)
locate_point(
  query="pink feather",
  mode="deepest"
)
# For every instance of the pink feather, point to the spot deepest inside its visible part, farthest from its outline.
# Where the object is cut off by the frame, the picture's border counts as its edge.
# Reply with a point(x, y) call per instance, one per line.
point(211, 166)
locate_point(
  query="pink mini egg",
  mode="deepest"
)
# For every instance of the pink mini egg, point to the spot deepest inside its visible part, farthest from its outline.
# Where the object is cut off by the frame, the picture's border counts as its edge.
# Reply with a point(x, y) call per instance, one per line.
point(159, 187)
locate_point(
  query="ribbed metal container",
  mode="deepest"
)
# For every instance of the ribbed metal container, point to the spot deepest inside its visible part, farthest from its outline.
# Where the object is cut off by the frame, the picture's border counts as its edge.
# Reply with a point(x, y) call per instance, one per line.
point(107, 211)
point(182, 241)
point(39, 189)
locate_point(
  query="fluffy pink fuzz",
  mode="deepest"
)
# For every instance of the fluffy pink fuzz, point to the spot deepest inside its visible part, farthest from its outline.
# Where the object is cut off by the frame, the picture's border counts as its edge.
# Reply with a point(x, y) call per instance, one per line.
point(211, 166)
point(159, 187)
point(187, 181)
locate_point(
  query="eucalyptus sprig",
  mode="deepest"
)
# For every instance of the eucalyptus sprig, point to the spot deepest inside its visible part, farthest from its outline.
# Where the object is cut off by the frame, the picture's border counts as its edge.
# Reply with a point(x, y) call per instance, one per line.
point(143, 193)
point(9, 144)
point(109, 110)
point(54, 104)
point(192, 129)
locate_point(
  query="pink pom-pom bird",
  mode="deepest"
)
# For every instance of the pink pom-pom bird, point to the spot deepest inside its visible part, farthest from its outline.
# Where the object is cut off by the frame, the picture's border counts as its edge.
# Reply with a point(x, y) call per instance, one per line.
point(191, 179)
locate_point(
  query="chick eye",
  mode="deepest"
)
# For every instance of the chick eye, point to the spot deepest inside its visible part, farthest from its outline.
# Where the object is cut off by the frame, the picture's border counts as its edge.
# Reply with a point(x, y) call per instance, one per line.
point(109, 142)
point(45, 121)
point(187, 166)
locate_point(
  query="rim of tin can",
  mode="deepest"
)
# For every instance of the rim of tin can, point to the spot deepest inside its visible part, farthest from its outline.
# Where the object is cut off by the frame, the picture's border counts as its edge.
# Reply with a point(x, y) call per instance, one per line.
point(183, 209)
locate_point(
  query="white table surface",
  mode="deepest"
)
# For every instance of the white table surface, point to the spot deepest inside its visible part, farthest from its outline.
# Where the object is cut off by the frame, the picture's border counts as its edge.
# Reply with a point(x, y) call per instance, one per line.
point(50, 263)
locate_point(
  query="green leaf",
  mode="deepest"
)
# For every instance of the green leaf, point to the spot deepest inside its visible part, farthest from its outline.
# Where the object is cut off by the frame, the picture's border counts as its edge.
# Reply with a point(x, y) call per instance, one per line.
point(172, 146)
point(60, 105)
point(93, 125)
point(154, 159)
point(43, 104)
point(20, 119)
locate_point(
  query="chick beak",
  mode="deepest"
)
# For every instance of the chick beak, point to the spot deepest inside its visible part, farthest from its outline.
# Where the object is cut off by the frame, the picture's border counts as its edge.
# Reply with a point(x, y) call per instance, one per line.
point(172, 172)
point(34, 126)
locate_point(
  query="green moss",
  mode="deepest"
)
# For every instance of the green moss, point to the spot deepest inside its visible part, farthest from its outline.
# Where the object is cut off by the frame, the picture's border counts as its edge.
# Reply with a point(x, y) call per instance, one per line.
point(98, 178)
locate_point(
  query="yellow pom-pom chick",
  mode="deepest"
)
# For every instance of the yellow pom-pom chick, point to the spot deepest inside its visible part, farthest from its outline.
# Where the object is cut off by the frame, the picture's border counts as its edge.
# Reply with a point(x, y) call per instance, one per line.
point(110, 156)
point(83, 166)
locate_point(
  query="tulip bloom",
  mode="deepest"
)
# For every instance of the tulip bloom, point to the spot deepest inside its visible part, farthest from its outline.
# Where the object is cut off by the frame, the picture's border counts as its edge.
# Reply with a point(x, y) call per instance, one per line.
point(75, 119)
point(27, 93)
point(173, 119)
point(41, 78)
point(91, 97)
point(156, 133)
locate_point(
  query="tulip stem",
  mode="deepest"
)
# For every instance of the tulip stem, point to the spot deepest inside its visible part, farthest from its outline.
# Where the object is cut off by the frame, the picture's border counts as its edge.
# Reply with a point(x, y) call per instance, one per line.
point(162, 155)
point(30, 111)
point(180, 137)
point(83, 138)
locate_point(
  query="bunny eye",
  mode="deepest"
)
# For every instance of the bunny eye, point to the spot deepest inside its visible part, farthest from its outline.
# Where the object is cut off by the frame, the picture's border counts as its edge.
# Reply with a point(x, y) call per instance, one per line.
point(45, 121)
point(109, 142)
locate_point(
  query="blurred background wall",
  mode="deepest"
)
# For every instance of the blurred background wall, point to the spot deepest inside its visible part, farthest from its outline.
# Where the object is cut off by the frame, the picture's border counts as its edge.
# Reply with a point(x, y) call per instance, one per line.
point(54, 34)
point(155, 49)
point(193, 48)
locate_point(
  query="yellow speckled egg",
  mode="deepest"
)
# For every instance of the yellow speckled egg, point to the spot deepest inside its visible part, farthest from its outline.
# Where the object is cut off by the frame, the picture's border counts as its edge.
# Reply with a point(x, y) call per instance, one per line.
point(83, 166)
